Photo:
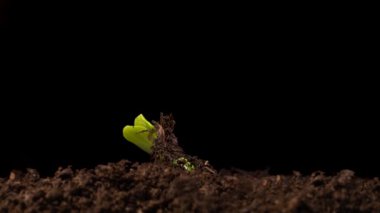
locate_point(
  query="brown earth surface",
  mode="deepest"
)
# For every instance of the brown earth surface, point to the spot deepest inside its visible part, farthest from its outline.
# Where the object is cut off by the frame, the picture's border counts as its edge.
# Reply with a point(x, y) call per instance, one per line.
point(165, 185)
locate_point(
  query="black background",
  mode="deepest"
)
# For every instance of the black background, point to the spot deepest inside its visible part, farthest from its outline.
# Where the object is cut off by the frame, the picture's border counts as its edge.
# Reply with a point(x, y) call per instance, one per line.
point(248, 91)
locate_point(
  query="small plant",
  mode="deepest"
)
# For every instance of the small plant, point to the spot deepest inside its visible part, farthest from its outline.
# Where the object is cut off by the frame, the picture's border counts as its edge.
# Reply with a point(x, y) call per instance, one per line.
point(142, 134)
point(184, 163)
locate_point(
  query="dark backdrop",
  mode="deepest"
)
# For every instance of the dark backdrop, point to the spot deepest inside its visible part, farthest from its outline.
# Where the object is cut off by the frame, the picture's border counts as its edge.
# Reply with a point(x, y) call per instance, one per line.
point(249, 93)
point(253, 126)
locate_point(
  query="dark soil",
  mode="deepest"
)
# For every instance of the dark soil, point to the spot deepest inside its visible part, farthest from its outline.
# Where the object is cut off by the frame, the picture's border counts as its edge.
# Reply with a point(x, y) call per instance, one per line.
point(165, 186)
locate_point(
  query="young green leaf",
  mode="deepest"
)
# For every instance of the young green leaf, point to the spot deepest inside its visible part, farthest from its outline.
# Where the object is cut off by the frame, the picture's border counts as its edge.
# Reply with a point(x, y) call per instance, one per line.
point(142, 134)
point(141, 121)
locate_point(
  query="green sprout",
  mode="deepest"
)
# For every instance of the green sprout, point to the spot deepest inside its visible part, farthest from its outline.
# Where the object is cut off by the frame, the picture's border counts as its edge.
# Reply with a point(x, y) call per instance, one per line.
point(186, 164)
point(142, 134)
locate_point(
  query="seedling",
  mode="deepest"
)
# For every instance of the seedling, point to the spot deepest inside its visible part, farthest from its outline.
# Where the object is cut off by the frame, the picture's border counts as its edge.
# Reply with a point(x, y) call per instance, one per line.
point(184, 163)
point(142, 134)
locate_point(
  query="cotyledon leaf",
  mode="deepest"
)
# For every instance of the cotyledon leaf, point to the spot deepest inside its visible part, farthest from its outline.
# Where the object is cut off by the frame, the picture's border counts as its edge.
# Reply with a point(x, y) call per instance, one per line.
point(140, 136)
point(141, 121)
